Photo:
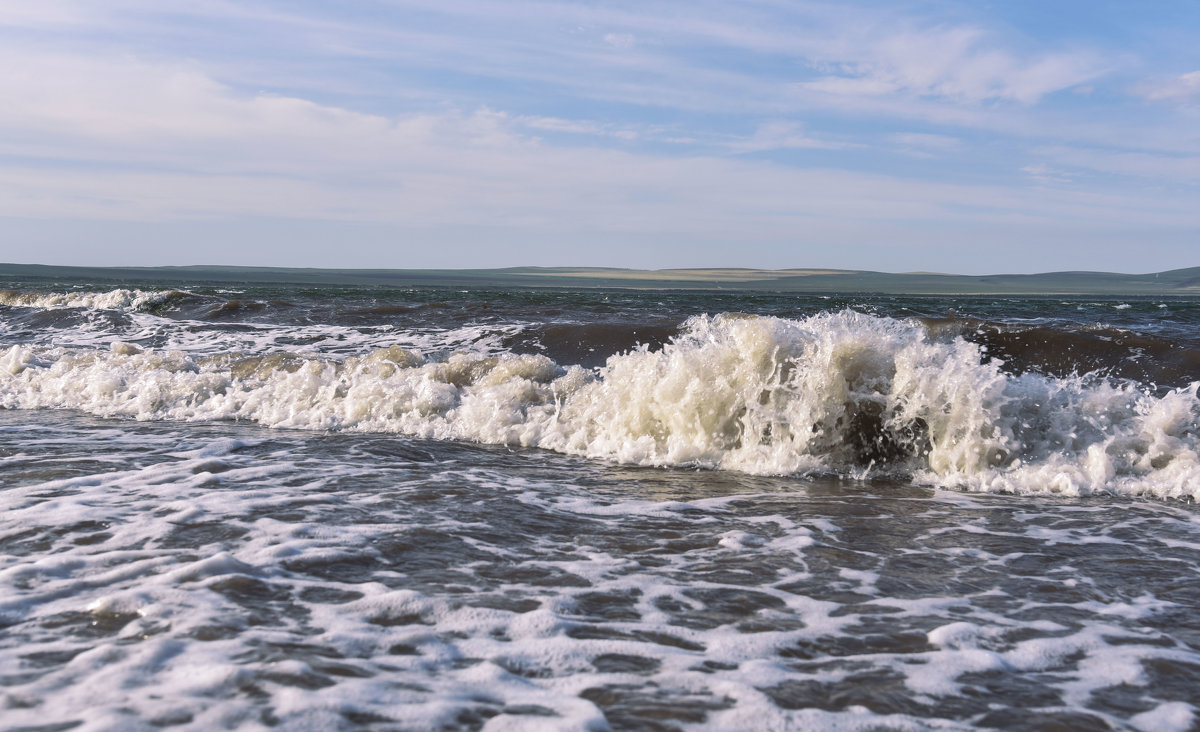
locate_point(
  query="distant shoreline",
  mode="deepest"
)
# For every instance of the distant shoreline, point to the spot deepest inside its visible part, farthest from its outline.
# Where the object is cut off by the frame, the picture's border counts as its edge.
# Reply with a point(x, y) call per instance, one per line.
point(1173, 283)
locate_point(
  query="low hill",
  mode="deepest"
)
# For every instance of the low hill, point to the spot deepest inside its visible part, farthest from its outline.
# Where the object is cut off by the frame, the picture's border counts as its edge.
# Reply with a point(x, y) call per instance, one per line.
point(1180, 282)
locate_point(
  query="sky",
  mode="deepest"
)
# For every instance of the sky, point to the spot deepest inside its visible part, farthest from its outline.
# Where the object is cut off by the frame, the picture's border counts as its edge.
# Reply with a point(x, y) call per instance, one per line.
point(968, 137)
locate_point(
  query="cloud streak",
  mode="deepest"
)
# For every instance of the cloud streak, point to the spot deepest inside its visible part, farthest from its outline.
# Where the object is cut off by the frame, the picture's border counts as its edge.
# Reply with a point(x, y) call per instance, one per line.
point(231, 154)
point(776, 122)
point(1185, 87)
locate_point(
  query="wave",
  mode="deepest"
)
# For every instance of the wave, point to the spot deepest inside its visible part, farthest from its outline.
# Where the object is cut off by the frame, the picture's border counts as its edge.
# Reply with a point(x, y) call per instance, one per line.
point(843, 393)
point(179, 304)
point(590, 344)
point(1061, 350)
point(119, 299)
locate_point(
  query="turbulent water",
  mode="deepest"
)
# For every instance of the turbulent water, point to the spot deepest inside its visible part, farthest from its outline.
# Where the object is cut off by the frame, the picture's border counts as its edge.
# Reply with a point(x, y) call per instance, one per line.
point(442, 509)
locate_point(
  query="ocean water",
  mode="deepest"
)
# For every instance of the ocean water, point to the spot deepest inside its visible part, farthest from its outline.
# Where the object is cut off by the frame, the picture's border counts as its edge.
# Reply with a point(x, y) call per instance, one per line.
point(284, 508)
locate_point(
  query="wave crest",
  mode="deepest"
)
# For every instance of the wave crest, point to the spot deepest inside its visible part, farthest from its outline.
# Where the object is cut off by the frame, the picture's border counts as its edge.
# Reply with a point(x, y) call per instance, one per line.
point(843, 393)
point(119, 299)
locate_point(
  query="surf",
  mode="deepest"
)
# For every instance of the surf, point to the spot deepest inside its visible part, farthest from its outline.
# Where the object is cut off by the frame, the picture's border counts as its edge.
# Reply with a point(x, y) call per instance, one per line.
point(840, 393)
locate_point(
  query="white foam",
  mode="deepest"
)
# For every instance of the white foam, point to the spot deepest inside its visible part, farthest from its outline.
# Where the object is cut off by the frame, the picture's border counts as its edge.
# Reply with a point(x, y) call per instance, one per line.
point(119, 299)
point(420, 657)
point(753, 394)
point(1166, 717)
point(126, 321)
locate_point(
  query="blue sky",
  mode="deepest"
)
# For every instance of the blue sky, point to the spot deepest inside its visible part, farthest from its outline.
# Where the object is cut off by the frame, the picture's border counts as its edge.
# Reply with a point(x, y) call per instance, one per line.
point(969, 137)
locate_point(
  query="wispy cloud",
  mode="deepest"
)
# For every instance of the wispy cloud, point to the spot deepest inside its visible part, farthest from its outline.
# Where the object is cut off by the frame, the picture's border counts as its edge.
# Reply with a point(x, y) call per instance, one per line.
point(651, 55)
point(955, 63)
point(578, 127)
point(1185, 87)
point(924, 144)
point(1046, 175)
point(1160, 169)
point(784, 136)
point(624, 117)
point(188, 146)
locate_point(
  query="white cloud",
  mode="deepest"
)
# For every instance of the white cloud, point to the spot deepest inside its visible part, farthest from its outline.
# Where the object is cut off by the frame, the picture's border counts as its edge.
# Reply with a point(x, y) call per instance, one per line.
point(924, 144)
point(178, 144)
point(665, 58)
point(578, 127)
point(1185, 87)
point(74, 108)
point(44, 13)
point(358, 124)
point(619, 41)
point(955, 63)
point(1046, 175)
point(872, 64)
point(173, 142)
point(783, 136)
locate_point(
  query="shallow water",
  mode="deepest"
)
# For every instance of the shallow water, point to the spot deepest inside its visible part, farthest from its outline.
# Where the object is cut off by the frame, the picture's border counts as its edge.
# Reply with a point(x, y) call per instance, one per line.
point(163, 568)
point(225, 575)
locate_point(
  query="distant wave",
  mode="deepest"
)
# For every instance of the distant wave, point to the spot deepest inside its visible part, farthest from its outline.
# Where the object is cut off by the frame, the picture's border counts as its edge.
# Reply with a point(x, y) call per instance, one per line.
point(120, 299)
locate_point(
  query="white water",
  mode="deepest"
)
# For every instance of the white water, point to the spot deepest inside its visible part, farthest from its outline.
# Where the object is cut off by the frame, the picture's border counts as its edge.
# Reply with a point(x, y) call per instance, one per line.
point(218, 576)
point(759, 395)
point(120, 299)
point(136, 324)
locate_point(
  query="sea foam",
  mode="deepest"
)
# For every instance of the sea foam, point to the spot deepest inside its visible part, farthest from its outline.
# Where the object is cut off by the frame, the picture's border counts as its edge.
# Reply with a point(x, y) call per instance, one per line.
point(119, 299)
point(842, 393)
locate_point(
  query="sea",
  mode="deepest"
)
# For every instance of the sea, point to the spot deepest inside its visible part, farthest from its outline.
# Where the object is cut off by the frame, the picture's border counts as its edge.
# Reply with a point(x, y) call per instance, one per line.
point(258, 506)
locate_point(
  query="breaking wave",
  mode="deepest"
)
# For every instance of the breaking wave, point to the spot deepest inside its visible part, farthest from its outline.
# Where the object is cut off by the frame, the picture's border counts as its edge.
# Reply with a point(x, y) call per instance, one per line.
point(843, 393)
point(120, 299)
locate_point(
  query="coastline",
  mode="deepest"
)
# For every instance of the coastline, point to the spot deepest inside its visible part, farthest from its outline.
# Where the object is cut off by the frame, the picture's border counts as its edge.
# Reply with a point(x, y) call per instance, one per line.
point(1173, 283)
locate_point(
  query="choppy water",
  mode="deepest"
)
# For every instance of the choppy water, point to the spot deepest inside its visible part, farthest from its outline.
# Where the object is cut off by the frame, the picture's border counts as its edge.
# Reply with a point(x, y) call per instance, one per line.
point(434, 509)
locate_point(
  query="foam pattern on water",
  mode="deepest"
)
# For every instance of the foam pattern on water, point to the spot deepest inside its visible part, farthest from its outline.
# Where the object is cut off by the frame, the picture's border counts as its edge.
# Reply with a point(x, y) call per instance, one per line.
point(96, 320)
point(842, 393)
point(226, 577)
